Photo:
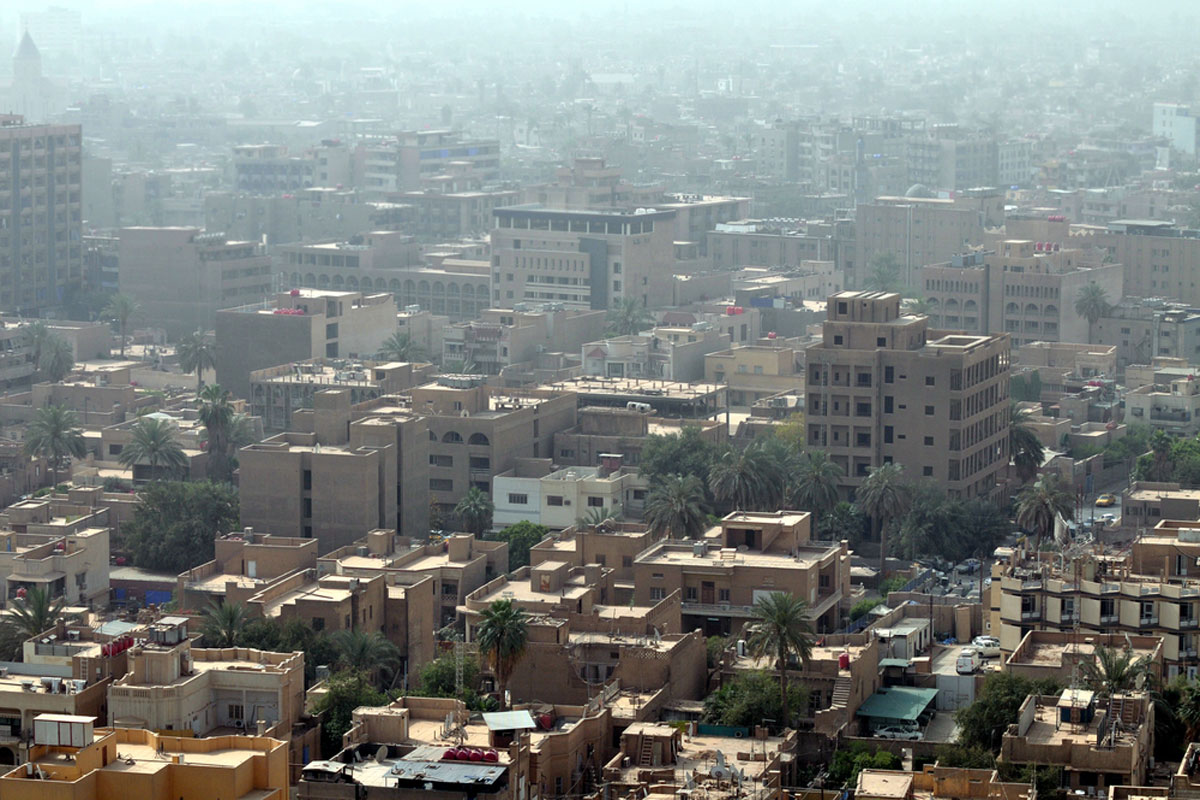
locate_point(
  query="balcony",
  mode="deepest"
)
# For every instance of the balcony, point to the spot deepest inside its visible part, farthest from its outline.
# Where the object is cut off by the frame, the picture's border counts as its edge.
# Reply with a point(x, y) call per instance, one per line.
point(1188, 623)
point(1028, 615)
point(717, 609)
point(1146, 622)
point(1111, 619)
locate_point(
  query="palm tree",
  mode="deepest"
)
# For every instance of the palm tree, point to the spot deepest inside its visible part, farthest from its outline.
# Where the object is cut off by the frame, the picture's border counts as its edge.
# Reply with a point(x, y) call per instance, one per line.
point(1161, 464)
point(54, 434)
point(676, 508)
point(1040, 502)
point(154, 443)
point(223, 624)
point(1116, 670)
point(1189, 710)
point(196, 353)
point(37, 611)
point(364, 651)
point(502, 636)
point(216, 414)
point(1024, 445)
point(598, 516)
point(57, 358)
point(120, 308)
point(883, 497)
point(475, 511)
point(815, 486)
point(401, 347)
point(750, 480)
point(628, 317)
point(780, 630)
point(457, 366)
point(37, 333)
point(1092, 303)
point(918, 306)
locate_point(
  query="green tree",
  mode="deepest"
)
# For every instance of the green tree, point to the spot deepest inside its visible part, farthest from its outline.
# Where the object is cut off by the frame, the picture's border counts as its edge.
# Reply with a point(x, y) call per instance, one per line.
point(676, 507)
point(849, 761)
point(37, 612)
point(1040, 502)
point(175, 524)
point(749, 699)
point(119, 309)
point(814, 485)
point(12, 641)
point(628, 317)
point(345, 691)
point(1189, 710)
point(844, 521)
point(595, 517)
point(1116, 670)
point(780, 630)
point(57, 359)
point(438, 677)
point(1018, 388)
point(1024, 445)
point(1160, 465)
point(1092, 303)
point(883, 497)
point(216, 415)
point(959, 757)
point(883, 273)
point(223, 624)
point(520, 537)
point(748, 480)
point(37, 333)
point(367, 652)
point(54, 435)
point(685, 453)
point(502, 635)
point(475, 511)
point(153, 442)
point(401, 347)
point(197, 353)
point(863, 607)
point(982, 724)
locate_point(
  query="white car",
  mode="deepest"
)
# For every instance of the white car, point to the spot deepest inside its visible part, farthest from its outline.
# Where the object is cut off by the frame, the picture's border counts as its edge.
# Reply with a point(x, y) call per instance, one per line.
point(909, 734)
point(969, 661)
point(988, 646)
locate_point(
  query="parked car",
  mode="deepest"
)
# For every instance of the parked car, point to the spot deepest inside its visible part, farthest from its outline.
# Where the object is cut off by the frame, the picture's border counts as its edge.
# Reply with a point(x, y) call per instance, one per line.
point(1105, 500)
point(893, 732)
point(969, 661)
point(988, 646)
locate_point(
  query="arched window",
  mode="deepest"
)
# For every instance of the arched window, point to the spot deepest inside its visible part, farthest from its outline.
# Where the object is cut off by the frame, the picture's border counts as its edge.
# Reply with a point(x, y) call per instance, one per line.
point(1050, 310)
point(478, 438)
point(452, 437)
point(1012, 308)
point(1031, 309)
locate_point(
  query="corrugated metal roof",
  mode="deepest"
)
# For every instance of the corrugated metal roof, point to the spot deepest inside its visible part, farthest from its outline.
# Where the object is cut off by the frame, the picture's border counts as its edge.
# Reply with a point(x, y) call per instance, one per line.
point(509, 721)
point(898, 702)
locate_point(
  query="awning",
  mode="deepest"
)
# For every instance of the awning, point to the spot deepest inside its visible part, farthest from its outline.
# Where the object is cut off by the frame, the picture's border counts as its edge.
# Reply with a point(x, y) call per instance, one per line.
point(898, 702)
point(509, 721)
point(894, 662)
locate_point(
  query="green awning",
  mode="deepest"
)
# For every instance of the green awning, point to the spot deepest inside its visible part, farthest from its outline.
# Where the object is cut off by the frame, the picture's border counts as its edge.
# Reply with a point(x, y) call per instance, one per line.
point(894, 662)
point(898, 702)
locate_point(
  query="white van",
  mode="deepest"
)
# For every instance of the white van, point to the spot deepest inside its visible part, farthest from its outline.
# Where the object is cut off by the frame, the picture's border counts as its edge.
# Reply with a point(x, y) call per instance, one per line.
point(969, 661)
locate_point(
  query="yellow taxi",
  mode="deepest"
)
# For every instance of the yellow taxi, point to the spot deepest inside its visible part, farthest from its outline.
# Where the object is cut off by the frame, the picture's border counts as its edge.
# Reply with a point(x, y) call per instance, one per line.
point(1105, 500)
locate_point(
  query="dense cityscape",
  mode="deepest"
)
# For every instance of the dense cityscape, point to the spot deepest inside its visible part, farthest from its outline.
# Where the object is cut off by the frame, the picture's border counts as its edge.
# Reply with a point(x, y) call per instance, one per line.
point(630, 402)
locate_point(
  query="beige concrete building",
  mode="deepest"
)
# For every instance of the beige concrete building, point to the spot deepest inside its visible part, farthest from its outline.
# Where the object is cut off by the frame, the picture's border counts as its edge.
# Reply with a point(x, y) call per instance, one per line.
point(448, 283)
point(883, 388)
point(1174, 409)
point(613, 546)
point(62, 549)
point(667, 353)
point(720, 581)
point(124, 762)
point(404, 161)
point(299, 325)
point(1147, 504)
point(665, 398)
point(782, 243)
point(560, 498)
point(583, 259)
point(605, 432)
point(501, 338)
point(1061, 655)
point(243, 564)
point(1066, 367)
point(41, 252)
point(278, 391)
point(440, 215)
point(181, 277)
point(1143, 329)
point(934, 782)
point(363, 262)
point(755, 372)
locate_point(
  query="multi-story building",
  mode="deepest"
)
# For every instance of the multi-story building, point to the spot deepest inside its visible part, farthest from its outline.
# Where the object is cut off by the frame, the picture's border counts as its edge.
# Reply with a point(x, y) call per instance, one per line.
point(605, 431)
point(95, 764)
point(664, 398)
point(876, 374)
point(588, 183)
point(919, 229)
point(1160, 258)
point(1176, 124)
point(667, 353)
point(1174, 408)
point(501, 338)
point(423, 328)
point(786, 243)
point(1146, 328)
point(583, 259)
point(321, 212)
point(300, 325)
point(268, 169)
point(755, 372)
point(278, 391)
point(440, 216)
point(560, 498)
point(948, 159)
point(1145, 504)
point(456, 287)
point(41, 247)
point(50, 548)
point(174, 686)
point(721, 575)
point(363, 261)
point(181, 277)
point(1027, 289)
point(244, 563)
point(402, 163)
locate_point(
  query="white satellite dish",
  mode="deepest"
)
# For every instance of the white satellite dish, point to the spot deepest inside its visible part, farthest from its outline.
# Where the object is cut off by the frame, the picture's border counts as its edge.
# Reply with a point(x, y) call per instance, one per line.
point(381, 754)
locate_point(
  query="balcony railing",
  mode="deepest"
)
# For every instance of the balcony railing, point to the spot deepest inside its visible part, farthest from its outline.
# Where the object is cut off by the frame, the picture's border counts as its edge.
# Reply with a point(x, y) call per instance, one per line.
point(717, 609)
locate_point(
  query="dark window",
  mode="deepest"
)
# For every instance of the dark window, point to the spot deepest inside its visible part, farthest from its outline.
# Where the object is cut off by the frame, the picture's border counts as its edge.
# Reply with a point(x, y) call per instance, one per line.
point(626, 561)
point(887, 404)
point(441, 485)
point(554, 500)
point(929, 441)
point(595, 502)
point(518, 499)
point(881, 341)
point(927, 472)
point(318, 623)
point(887, 434)
point(837, 339)
point(929, 411)
point(889, 374)
point(307, 479)
point(929, 380)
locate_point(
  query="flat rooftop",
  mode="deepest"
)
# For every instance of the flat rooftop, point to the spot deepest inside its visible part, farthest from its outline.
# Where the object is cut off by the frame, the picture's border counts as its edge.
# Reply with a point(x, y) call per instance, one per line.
point(1045, 729)
point(590, 384)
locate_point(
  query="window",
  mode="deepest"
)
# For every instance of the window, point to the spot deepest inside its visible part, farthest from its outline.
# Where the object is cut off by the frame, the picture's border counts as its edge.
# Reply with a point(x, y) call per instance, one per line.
point(689, 594)
point(236, 711)
point(440, 461)
point(565, 453)
point(887, 404)
point(929, 380)
point(889, 375)
point(441, 485)
point(723, 595)
point(837, 339)
point(115, 450)
point(888, 433)
point(318, 623)
point(626, 561)
point(929, 411)
point(554, 500)
point(929, 441)
point(518, 499)
point(307, 480)
point(657, 593)
point(480, 462)
point(595, 502)
point(881, 341)
point(602, 559)
point(927, 472)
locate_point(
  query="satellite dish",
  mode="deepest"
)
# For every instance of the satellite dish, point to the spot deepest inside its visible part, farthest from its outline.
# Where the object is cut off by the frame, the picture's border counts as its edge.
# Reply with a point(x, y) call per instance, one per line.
point(381, 754)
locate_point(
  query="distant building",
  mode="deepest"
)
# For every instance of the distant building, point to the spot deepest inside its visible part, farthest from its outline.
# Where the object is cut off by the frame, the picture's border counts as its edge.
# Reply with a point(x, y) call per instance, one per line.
point(402, 162)
point(1176, 124)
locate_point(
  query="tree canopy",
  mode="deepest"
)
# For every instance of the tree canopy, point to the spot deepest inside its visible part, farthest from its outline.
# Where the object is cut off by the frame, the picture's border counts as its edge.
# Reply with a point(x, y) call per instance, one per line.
point(175, 524)
point(520, 537)
point(996, 706)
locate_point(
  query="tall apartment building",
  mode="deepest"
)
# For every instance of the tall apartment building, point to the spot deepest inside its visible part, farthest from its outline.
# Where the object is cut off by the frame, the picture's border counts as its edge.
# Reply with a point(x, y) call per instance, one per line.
point(1027, 289)
point(1143, 329)
point(313, 214)
point(41, 247)
point(919, 229)
point(268, 168)
point(583, 259)
point(882, 387)
point(402, 163)
point(438, 216)
point(299, 325)
point(947, 159)
point(1161, 259)
point(181, 277)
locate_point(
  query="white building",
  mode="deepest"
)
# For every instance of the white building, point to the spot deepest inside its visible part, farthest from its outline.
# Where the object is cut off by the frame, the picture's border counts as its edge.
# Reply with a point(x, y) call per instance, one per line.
point(1175, 123)
point(561, 498)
